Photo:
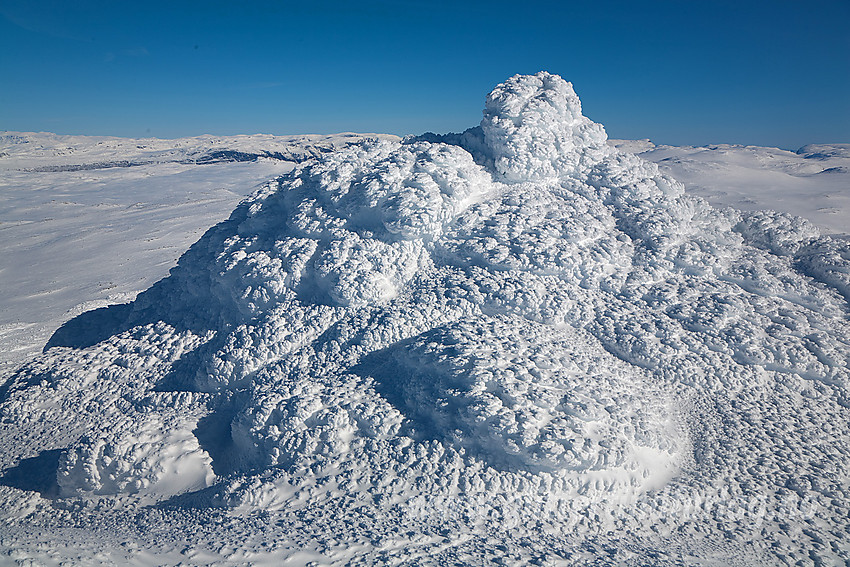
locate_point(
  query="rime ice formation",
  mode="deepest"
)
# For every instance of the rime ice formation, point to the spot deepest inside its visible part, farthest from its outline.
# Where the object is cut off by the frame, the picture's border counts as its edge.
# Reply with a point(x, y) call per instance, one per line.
point(525, 327)
point(534, 129)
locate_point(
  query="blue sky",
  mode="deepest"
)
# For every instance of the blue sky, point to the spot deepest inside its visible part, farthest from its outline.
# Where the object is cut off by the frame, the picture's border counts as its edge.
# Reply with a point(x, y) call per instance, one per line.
point(679, 72)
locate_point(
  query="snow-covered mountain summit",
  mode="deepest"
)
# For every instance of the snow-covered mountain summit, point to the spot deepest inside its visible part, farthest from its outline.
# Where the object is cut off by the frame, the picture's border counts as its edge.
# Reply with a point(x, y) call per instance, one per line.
point(525, 344)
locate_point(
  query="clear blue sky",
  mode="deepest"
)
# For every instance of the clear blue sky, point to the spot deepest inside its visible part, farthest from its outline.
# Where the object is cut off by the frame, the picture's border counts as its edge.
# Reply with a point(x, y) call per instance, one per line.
point(679, 72)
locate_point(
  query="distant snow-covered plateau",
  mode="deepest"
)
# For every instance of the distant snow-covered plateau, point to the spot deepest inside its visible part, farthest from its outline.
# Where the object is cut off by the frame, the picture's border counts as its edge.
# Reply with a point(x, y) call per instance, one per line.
point(522, 344)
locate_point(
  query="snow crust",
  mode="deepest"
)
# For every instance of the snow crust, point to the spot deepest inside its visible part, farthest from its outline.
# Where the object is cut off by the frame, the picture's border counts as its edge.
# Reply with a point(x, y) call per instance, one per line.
point(526, 333)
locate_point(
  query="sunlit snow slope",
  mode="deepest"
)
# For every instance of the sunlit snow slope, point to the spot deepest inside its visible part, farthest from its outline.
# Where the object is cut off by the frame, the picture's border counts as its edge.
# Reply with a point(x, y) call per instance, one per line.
point(88, 221)
point(518, 343)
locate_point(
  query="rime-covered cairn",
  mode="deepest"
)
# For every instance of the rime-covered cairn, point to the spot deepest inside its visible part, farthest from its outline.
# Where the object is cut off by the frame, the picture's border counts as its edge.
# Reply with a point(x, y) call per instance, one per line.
point(517, 322)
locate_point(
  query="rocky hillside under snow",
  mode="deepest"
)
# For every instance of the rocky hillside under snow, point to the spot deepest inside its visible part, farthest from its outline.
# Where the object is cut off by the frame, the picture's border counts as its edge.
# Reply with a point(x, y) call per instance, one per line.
point(518, 343)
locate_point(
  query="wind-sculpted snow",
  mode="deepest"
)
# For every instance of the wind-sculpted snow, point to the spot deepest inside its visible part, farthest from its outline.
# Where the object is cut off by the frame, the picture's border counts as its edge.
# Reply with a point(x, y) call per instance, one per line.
point(523, 330)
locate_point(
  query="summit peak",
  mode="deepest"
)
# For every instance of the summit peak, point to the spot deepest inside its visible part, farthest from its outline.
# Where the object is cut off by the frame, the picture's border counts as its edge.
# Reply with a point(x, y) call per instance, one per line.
point(534, 128)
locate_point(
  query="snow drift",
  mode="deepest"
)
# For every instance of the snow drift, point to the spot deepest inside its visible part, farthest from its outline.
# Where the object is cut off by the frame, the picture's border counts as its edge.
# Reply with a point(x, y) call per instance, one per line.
point(520, 324)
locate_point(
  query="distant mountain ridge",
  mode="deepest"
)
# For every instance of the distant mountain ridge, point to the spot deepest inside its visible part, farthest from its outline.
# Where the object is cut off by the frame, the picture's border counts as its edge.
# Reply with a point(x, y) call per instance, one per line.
point(55, 152)
point(813, 182)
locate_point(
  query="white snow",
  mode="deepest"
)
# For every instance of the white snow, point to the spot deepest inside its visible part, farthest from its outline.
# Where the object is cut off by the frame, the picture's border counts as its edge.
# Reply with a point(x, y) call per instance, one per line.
point(520, 346)
point(90, 221)
point(813, 182)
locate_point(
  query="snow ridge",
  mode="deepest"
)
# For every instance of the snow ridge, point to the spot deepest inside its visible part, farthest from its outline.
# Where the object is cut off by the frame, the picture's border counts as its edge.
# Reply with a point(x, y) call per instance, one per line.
point(544, 331)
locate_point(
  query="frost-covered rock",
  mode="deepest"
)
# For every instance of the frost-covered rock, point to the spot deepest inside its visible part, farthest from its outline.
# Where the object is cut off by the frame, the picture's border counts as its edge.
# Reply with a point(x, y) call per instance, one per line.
point(520, 396)
point(143, 454)
point(525, 327)
point(534, 129)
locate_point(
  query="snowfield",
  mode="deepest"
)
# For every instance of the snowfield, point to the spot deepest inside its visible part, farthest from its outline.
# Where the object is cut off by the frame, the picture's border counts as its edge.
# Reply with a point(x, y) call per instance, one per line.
point(519, 344)
point(813, 182)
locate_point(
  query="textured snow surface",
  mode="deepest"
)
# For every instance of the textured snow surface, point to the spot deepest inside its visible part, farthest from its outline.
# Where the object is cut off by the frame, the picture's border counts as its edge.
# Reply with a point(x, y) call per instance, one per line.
point(89, 221)
point(523, 346)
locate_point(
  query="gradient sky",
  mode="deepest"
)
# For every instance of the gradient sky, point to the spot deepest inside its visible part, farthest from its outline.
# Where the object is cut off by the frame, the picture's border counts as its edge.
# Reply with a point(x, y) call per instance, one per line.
point(773, 73)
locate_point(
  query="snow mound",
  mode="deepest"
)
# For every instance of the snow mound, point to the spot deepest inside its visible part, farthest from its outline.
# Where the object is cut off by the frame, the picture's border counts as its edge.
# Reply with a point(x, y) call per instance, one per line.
point(534, 128)
point(526, 317)
point(521, 397)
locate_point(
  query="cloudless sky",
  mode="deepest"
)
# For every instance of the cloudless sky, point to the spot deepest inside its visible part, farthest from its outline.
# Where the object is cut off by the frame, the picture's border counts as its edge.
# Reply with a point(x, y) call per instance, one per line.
point(773, 73)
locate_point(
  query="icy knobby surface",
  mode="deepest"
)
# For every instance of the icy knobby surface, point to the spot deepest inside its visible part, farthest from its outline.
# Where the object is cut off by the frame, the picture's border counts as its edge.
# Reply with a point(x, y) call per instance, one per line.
point(526, 327)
